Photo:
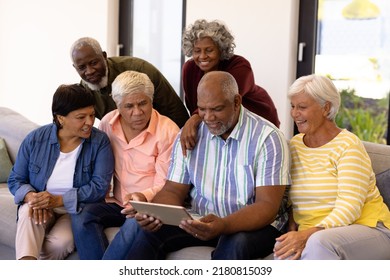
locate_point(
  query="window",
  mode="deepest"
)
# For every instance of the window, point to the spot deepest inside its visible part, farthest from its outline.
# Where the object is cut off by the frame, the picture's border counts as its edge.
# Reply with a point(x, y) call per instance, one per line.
point(354, 51)
point(151, 30)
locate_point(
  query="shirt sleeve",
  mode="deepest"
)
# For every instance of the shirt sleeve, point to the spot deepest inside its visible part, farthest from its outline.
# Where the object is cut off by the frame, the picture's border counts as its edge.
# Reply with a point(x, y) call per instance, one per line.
point(162, 164)
point(353, 175)
point(102, 168)
point(18, 180)
point(273, 161)
point(177, 171)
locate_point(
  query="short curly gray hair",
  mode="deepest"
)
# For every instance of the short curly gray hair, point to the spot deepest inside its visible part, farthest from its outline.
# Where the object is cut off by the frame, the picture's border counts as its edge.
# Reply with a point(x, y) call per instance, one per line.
point(216, 30)
point(86, 41)
point(129, 83)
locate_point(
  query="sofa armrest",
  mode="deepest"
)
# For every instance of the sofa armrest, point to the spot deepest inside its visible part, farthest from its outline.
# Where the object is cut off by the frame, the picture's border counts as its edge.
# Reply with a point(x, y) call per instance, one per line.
point(380, 156)
point(14, 128)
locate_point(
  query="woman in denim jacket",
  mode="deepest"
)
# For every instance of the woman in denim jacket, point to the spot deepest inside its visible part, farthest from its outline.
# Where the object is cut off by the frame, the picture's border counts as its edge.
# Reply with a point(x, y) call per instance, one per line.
point(59, 167)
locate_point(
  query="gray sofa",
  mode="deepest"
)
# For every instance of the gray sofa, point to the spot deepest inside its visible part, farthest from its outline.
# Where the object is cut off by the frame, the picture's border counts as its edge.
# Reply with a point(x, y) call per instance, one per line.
point(14, 127)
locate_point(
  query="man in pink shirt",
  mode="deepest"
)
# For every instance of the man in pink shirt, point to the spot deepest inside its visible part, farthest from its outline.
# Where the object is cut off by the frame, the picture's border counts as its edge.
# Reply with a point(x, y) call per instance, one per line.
point(142, 141)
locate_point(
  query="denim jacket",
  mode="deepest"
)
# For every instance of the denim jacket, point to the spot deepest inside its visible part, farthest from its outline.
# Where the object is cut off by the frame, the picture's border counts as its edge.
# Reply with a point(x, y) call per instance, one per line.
point(38, 155)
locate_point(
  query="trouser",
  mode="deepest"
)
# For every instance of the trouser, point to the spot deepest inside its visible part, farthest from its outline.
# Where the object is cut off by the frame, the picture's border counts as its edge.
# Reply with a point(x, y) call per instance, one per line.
point(50, 241)
point(139, 244)
point(353, 242)
point(88, 228)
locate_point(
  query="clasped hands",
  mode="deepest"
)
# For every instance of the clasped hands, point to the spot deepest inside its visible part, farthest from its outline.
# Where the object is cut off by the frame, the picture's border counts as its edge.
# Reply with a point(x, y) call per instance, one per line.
point(41, 206)
point(290, 245)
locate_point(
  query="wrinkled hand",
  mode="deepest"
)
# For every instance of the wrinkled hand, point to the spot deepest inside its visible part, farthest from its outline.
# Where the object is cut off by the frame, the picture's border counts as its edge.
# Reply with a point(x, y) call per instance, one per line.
point(290, 245)
point(189, 133)
point(206, 228)
point(40, 216)
point(42, 200)
point(148, 223)
point(128, 210)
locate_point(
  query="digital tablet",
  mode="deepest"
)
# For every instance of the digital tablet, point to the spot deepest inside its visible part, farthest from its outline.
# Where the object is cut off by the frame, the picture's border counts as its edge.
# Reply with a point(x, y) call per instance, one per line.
point(167, 214)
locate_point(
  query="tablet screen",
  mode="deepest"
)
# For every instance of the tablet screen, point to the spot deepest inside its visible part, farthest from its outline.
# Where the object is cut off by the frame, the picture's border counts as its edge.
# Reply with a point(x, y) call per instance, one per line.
point(167, 214)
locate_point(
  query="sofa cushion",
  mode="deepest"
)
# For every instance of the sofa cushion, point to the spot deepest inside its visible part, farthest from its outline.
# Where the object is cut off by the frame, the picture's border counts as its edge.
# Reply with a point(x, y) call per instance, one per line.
point(5, 162)
point(383, 184)
point(191, 253)
point(8, 210)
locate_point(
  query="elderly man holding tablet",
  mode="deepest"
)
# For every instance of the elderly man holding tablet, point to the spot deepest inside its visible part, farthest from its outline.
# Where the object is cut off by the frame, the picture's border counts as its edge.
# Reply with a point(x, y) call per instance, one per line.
point(237, 178)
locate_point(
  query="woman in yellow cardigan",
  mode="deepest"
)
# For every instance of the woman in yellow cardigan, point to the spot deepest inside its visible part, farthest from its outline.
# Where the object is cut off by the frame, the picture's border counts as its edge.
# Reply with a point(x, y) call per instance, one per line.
point(337, 210)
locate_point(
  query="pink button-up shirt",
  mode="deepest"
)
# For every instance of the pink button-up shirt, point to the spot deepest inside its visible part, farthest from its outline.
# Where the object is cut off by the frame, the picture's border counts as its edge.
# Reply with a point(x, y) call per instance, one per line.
point(142, 164)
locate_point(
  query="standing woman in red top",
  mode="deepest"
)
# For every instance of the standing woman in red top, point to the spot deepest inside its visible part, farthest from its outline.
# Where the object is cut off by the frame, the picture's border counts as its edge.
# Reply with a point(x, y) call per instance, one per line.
point(211, 46)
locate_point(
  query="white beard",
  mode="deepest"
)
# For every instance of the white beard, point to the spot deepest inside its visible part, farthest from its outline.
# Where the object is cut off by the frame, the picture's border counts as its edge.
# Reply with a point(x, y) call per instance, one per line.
point(102, 84)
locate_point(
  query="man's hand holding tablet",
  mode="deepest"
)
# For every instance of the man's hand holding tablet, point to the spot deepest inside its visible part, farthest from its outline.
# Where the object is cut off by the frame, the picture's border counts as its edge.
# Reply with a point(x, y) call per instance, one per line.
point(167, 214)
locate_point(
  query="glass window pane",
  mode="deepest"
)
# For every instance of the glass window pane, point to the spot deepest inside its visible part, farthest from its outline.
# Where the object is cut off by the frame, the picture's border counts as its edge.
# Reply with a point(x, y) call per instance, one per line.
point(353, 49)
point(157, 33)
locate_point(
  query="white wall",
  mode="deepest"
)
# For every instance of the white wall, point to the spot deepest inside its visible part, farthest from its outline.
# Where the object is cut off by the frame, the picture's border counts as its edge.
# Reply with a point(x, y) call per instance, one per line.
point(36, 36)
point(266, 34)
point(35, 40)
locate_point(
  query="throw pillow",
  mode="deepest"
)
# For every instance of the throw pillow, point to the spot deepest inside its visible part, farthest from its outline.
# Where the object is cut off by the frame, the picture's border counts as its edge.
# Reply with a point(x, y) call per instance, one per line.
point(383, 184)
point(5, 162)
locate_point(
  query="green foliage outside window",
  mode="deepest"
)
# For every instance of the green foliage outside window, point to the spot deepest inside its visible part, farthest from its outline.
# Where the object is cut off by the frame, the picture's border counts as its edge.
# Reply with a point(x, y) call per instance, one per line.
point(366, 117)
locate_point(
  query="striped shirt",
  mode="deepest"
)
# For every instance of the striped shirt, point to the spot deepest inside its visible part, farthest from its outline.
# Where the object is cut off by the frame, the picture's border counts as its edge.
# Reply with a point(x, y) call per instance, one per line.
point(225, 174)
point(334, 185)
